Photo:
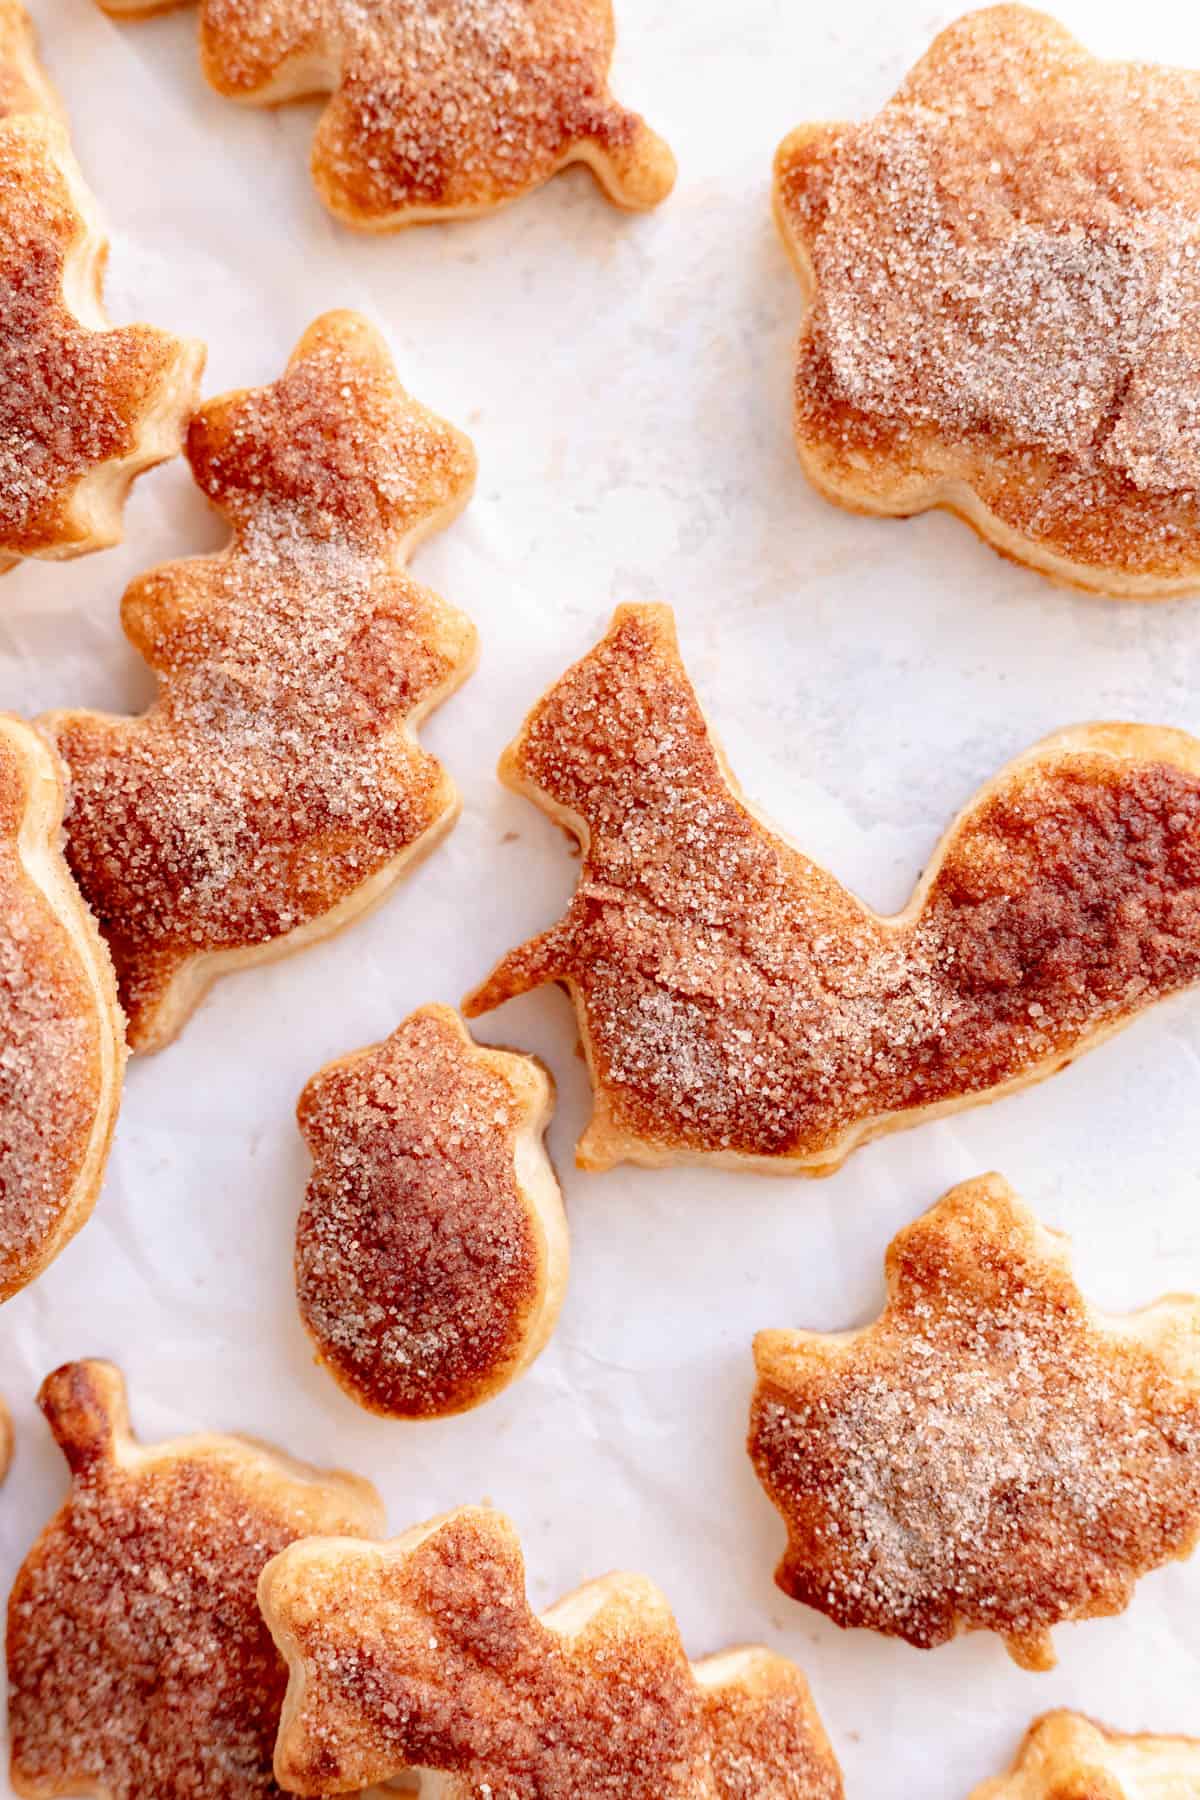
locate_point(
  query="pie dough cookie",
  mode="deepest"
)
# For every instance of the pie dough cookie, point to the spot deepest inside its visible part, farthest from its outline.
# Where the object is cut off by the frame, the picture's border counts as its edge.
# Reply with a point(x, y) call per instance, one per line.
point(138, 1662)
point(1003, 269)
point(431, 1251)
point(423, 1654)
point(736, 1004)
point(991, 1454)
point(438, 110)
point(84, 408)
point(62, 1045)
point(1067, 1757)
point(275, 789)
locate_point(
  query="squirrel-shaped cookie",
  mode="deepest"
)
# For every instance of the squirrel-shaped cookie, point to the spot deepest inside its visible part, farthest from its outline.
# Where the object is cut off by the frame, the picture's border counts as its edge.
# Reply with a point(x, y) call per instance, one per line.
point(1004, 294)
point(62, 1043)
point(423, 1655)
point(437, 110)
point(431, 1250)
point(84, 407)
point(991, 1454)
point(275, 789)
point(737, 1005)
point(138, 1661)
point(1067, 1757)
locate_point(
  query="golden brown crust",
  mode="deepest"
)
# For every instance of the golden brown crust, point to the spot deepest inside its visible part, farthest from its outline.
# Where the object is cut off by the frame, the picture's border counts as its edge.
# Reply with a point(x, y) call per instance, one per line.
point(424, 1654)
point(1004, 280)
point(62, 1045)
point(736, 1004)
point(431, 1250)
point(437, 110)
point(1067, 1757)
point(84, 409)
point(275, 789)
point(990, 1454)
point(138, 1662)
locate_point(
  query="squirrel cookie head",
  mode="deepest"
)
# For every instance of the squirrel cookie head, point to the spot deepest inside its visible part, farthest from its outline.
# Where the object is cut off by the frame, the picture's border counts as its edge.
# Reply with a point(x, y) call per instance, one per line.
point(138, 1662)
point(431, 1250)
point(737, 1005)
point(991, 1454)
point(62, 1045)
point(439, 108)
point(275, 789)
point(423, 1654)
point(1004, 280)
point(1067, 1757)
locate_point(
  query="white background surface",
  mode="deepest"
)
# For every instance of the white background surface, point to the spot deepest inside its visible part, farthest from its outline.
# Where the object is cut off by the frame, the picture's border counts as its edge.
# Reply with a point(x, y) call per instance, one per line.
point(626, 382)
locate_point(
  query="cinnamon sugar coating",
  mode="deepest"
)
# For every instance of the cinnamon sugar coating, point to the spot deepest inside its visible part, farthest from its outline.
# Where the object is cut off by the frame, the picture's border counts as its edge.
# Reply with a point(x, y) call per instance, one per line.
point(1067, 1757)
point(83, 408)
point(1004, 274)
point(138, 1662)
point(990, 1454)
point(423, 1653)
point(439, 107)
point(736, 1003)
point(275, 788)
point(61, 1043)
point(431, 1247)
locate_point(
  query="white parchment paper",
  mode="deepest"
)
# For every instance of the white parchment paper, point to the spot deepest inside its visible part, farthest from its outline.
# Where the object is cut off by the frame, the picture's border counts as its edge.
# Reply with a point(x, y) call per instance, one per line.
point(626, 381)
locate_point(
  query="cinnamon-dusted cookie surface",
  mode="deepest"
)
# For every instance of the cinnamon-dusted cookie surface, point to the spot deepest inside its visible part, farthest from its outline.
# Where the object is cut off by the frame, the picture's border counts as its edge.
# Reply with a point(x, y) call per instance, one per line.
point(991, 1454)
point(736, 1004)
point(275, 789)
point(1003, 269)
point(431, 1250)
point(439, 108)
point(138, 1661)
point(1067, 1757)
point(84, 407)
point(423, 1654)
point(62, 1043)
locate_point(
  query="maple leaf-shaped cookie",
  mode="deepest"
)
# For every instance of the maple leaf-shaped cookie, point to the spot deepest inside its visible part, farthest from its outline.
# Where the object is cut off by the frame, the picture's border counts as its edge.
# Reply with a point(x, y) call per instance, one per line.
point(991, 1454)
point(62, 1048)
point(1004, 274)
point(440, 108)
point(1067, 1757)
point(431, 1250)
point(736, 1004)
point(138, 1661)
point(84, 408)
point(423, 1654)
point(275, 789)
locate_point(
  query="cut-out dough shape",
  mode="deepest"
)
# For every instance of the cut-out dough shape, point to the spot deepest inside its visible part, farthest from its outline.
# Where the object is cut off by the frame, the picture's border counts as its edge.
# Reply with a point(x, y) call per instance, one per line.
point(438, 110)
point(991, 1454)
point(84, 408)
point(62, 1043)
point(275, 789)
point(1003, 269)
point(423, 1655)
point(431, 1250)
point(736, 1004)
point(1067, 1757)
point(138, 1661)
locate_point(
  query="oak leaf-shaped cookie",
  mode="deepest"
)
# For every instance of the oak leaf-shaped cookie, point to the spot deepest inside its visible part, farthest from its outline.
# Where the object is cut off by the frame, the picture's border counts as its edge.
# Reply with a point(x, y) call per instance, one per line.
point(275, 788)
point(84, 408)
point(138, 1661)
point(991, 1454)
point(440, 108)
point(62, 1045)
point(736, 1004)
point(1004, 275)
point(1067, 1757)
point(431, 1249)
point(423, 1654)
